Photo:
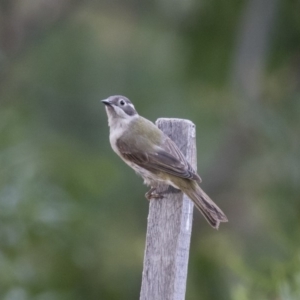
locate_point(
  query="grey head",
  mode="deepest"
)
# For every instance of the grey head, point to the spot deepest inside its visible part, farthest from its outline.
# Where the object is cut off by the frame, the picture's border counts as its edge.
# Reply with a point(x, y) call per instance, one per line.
point(119, 107)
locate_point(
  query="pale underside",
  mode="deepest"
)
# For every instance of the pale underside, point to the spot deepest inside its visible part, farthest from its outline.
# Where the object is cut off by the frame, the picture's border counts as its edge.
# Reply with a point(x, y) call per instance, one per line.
point(158, 161)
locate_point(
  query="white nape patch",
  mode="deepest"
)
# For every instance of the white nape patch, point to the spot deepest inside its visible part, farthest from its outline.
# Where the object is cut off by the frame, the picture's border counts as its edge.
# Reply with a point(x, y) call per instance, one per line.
point(130, 104)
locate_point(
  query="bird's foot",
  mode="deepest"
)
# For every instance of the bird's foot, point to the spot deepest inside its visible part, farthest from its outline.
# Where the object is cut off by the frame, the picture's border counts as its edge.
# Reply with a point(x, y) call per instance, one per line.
point(153, 194)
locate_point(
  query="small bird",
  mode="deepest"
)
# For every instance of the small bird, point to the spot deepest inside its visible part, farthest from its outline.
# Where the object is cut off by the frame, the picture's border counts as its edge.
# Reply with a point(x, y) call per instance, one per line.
point(155, 157)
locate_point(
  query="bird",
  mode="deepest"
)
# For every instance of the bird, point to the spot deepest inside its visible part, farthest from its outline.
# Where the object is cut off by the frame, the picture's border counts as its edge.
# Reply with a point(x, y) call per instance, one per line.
point(155, 157)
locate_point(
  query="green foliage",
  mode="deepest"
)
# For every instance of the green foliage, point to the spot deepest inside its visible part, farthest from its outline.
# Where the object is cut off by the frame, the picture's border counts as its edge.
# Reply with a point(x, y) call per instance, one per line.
point(73, 216)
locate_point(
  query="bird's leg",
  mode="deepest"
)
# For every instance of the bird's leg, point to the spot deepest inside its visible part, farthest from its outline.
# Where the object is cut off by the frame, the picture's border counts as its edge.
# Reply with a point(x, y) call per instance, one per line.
point(153, 194)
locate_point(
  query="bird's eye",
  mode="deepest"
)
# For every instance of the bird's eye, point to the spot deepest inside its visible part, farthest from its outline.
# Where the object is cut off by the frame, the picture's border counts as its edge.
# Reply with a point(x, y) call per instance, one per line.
point(122, 102)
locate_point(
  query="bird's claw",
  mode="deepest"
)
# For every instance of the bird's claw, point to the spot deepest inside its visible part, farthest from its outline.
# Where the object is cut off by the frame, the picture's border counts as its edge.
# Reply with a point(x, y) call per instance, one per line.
point(153, 194)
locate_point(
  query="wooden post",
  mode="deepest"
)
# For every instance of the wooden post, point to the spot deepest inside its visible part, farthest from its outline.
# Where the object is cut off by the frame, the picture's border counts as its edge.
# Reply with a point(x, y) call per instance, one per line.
point(169, 227)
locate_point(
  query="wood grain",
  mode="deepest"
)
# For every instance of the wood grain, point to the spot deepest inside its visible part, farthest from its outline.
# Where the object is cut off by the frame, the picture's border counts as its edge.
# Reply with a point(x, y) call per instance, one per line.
point(169, 227)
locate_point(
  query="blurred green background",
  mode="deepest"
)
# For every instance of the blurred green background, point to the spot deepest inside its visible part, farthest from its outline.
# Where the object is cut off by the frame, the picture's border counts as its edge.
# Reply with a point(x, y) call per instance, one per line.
point(73, 217)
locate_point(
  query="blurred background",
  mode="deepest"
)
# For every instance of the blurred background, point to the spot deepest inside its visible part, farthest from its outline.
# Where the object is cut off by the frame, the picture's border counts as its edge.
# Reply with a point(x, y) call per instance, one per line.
point(73, 217)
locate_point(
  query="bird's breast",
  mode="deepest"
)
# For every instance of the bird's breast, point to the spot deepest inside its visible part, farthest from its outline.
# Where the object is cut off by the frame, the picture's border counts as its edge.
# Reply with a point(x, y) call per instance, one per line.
point(113, 138)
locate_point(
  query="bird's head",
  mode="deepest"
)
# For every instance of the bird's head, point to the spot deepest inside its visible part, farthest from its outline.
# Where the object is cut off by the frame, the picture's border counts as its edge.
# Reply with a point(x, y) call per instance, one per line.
point(119, 109)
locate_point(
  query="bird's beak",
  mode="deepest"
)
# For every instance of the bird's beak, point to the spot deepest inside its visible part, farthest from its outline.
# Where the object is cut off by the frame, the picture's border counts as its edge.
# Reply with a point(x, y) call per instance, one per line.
point(106, 102)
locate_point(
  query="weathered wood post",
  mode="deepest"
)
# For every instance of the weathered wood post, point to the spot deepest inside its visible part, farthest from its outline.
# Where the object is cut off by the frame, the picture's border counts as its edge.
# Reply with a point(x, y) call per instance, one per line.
point(169, 227)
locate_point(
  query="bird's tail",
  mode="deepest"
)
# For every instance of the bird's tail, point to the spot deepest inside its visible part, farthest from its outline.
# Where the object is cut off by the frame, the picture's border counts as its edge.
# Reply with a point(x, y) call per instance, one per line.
point(211, 212)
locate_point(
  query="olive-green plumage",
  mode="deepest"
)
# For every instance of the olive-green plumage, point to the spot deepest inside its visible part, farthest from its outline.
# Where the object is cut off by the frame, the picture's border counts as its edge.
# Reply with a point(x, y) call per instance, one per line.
point(147, 132)
point(155, 157)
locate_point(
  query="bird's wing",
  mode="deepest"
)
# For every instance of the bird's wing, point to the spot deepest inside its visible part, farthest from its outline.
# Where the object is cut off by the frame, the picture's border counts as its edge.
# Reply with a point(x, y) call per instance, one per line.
point(168, 159)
